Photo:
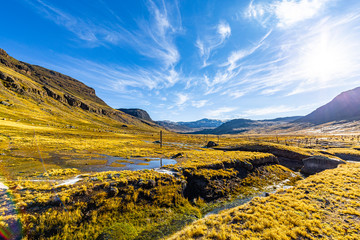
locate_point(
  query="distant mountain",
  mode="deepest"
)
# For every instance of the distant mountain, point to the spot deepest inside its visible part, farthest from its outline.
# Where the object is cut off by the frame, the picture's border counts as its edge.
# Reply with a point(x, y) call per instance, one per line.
point(241, 125)
point(203, 123)
point(284, 119)
point(35, 94)
point(198, 125)
point(345, 106)
point(136, 112)
point(174, 126)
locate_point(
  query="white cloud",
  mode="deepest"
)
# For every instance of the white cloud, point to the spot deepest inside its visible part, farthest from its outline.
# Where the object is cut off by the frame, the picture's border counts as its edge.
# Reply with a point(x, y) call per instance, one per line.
point(268, 110)
point(235, 93)
point(285, 13)
point(219, 112)
point(224, 30)
point(182, 99)
point(234, 66)
point(289, 12)
point(271, 110)
point(154, 37)
point(238, 55)
point(199, 104)
point(313, 56)
point(212, 40)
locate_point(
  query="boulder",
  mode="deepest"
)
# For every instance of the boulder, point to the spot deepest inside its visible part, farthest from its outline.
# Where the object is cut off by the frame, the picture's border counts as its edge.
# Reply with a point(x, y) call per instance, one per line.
point(113, 191)
point(317, 164)
point(211, 144)
point(5, 103)
point(176, 155)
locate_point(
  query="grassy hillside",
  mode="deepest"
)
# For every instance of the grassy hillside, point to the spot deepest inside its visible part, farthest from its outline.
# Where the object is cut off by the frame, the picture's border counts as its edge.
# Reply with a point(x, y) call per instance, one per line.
point(36, 95)
point(323, 206)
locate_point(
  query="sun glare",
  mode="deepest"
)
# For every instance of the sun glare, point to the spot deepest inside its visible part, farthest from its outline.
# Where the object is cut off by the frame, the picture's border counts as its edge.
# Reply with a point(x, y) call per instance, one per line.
point(325, 58)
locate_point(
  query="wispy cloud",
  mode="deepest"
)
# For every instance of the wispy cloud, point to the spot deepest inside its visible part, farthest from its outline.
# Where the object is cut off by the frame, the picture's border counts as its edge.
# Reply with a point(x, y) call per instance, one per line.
point(92, 33)
point(219, 112)
point(182, 99)
point(156, 40)
point(284, 13)
point(154, 37)
point(238, 55)
point(212, 40)
point(199, 104)
point(232, 68)
point(273, 110)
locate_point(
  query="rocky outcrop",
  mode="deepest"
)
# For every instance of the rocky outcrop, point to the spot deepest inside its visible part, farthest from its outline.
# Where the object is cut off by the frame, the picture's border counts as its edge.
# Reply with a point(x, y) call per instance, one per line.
point(317, 164)
point(211, 144)
point(138, 113)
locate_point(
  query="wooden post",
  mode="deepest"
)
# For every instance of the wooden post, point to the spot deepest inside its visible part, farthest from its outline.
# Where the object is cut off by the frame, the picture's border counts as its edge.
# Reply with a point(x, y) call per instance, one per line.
point(161, 140)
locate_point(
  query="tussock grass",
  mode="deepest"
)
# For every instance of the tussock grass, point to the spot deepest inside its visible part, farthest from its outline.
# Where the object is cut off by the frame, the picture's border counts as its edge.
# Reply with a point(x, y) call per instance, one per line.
point(323, 206)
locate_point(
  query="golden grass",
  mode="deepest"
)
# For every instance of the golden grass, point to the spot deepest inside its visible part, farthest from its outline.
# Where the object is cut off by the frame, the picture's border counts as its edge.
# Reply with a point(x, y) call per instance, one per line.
point(323, 206)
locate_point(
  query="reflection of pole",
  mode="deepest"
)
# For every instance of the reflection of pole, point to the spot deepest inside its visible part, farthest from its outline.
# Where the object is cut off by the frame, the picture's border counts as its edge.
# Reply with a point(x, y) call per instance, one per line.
point(160, 162)
point(160, 139)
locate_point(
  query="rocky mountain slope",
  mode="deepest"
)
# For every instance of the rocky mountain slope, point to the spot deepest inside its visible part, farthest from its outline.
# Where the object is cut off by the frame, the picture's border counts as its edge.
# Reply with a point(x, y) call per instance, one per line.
point(244, 125)
point(139, 113)
point(345, 106)
point(33, 92)
point(198, 125)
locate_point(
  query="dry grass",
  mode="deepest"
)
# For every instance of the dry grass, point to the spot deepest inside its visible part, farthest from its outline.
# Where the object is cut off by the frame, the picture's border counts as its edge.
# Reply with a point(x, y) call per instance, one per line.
point(323, 206)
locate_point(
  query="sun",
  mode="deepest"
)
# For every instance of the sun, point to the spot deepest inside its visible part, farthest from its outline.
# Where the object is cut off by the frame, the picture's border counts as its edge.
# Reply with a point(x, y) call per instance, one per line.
point(325, 58)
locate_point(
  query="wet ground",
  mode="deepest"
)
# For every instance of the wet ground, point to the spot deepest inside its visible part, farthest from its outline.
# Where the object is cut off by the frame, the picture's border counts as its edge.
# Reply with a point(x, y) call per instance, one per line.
point(110, 163)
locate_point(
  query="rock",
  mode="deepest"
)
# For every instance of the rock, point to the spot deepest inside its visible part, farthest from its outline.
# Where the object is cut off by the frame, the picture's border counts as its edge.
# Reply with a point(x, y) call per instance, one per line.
point(151, 183)
point(2, 76)
point(113, 191)
point(177, 155)
point(211, 144)
point(317, 164)
point(94, 179)
point(5, 103)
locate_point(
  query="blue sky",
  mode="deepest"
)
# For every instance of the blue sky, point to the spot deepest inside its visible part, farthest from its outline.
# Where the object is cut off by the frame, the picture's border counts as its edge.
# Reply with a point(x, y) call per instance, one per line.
point(186, 60)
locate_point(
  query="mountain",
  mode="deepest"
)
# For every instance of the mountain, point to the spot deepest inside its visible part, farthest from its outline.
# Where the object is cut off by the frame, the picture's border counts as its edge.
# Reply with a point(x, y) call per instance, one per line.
point(36, 94)
point(202, 123)
point(241, 125)
point(198, 125)
point(174, 126)
point(345, 106)
point(284, 119)
point(136, 112)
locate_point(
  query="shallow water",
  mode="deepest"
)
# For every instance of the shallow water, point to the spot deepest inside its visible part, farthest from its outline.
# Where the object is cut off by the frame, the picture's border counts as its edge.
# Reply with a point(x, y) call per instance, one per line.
point(242, 200)
point(132, 164)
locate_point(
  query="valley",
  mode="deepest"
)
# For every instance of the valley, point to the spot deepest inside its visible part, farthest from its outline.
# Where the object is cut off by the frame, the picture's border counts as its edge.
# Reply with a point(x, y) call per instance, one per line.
point(74, 168)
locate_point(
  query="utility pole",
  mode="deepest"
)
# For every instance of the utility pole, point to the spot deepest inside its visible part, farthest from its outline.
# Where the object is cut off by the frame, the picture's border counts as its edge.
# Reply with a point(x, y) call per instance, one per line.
point(161, 142)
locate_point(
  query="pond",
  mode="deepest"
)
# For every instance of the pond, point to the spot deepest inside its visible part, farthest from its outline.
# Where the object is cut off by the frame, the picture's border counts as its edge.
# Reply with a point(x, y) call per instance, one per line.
point(103, 162)
point(136, 163)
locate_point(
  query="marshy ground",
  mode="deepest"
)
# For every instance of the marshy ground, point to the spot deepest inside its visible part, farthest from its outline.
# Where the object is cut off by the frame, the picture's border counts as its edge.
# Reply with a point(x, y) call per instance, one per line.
point(80, 183)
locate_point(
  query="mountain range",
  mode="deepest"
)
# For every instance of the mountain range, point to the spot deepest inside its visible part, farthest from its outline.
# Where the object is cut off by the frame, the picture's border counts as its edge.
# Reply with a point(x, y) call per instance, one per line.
point(36, 94)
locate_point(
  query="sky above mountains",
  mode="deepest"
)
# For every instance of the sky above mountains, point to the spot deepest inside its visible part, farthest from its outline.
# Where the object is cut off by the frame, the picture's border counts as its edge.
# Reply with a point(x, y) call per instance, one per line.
point(186, 60)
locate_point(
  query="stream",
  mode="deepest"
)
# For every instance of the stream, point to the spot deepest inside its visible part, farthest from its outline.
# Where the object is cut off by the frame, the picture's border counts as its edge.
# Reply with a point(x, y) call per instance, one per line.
point(245, 199)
